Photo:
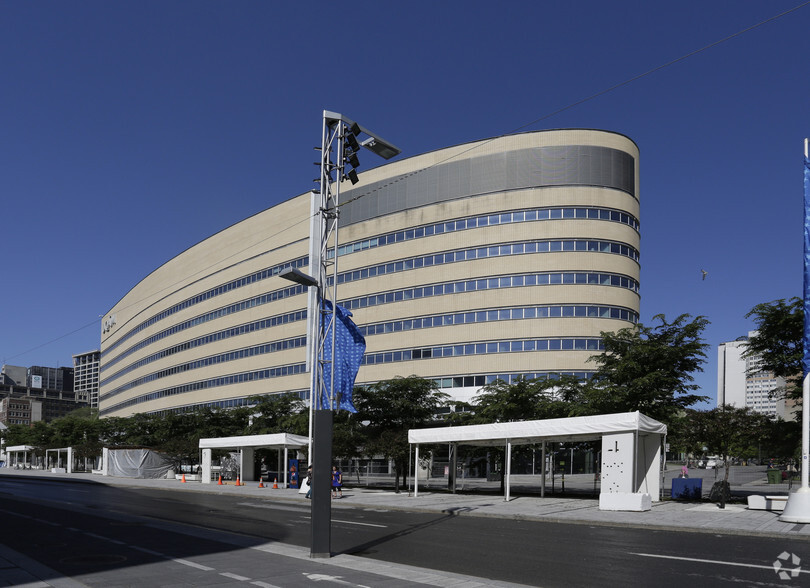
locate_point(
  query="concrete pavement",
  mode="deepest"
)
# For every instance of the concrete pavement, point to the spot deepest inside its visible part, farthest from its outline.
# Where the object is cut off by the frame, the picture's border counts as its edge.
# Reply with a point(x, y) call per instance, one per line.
point(666, 515)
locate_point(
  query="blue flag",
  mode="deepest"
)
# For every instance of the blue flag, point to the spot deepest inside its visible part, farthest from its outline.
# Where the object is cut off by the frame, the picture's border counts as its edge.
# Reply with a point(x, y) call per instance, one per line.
point(349, 349)
point(806, 340)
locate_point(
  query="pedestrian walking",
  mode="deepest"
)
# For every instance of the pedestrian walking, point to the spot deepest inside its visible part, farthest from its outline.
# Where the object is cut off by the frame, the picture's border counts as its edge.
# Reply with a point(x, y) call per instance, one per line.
point(337, 483)
point(309, 482)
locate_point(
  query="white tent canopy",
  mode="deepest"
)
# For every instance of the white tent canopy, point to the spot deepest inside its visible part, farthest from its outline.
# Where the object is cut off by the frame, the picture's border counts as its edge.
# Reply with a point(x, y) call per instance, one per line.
point(586, 428)
point(247, 444)
point(14, 451)
point(632, 466)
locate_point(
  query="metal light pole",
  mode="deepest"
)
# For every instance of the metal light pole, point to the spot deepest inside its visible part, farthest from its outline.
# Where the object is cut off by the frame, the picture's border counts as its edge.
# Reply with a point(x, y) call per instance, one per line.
point(339, 147)
point(797, 508)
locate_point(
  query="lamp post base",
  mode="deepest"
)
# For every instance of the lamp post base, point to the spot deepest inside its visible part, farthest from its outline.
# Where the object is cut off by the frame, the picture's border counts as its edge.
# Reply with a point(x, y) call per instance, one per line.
point(321, 529)
point(797, 509)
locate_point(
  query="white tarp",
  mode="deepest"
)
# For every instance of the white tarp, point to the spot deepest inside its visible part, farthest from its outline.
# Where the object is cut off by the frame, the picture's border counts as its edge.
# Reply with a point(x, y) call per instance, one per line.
point(586, 428)
point(137, 463)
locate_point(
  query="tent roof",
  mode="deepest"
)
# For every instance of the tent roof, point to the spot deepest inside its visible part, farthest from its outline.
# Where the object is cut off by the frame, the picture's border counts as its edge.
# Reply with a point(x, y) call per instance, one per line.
point(20, 448)
point(275, 440)
point(586, 428)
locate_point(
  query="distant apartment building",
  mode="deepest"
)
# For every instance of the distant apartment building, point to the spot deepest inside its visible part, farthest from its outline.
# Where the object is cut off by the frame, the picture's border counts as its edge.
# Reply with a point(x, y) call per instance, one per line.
point(49, 392)
point(741, 384)
point(85, 377)
point(20, 411)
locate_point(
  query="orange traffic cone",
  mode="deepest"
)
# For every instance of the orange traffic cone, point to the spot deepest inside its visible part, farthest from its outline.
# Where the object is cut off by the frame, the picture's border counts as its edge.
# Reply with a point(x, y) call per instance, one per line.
point(261, 485)
point(184, 479)
point(275, 483)
point(238, 483)
point(220, 481)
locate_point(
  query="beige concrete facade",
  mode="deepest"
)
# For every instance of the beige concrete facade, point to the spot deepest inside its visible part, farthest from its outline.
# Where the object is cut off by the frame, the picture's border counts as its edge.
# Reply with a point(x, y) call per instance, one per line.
point(499, 258)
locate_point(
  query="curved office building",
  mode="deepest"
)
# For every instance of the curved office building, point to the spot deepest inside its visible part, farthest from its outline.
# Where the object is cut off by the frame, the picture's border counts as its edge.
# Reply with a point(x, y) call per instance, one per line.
point(493, 259)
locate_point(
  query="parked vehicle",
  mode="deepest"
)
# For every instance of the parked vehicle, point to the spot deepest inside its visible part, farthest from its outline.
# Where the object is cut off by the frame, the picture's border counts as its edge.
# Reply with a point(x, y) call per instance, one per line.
point(711, 464)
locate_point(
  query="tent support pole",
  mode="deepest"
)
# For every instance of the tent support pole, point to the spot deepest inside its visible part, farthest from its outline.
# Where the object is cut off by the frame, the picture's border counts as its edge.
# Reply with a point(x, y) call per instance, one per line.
point(416, 472)
point(508, 470)
point(543, 472)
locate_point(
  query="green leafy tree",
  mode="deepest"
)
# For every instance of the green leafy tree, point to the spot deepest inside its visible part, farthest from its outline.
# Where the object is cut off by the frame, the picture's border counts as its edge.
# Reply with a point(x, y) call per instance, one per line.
point(778, 341)
point(278, 413)
point(391, 408)
point(648, 369)
point(80, 430)
point(522, 400)
point(729, 431)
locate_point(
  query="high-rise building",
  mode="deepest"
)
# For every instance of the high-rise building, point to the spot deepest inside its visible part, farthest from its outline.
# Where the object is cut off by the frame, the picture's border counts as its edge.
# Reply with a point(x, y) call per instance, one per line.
point(497, 259)
point(13, 375)
point(740, 383)
point(48, 378)
point(85, 376)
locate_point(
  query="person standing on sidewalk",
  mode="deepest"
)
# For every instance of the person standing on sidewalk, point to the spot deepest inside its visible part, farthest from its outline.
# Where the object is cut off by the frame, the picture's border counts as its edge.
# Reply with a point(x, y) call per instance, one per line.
point(337, 483)
point(309, 482)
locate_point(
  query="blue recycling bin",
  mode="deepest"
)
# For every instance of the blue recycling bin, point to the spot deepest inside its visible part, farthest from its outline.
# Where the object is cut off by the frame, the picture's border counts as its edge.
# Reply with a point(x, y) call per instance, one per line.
point(687, 488)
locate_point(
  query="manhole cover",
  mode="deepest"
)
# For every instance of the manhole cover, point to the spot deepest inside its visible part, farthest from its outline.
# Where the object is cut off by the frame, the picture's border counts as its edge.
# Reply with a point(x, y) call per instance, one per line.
point(95, 560)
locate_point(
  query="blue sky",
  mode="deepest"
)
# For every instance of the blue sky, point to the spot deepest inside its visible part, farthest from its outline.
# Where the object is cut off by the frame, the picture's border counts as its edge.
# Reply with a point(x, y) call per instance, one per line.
point(130, 131)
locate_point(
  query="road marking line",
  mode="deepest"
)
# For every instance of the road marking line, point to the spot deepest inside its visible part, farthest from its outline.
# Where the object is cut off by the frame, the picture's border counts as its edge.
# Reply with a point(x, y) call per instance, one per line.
point(712, 561)
point(104, 538)
point(355, 523)
point(234, 576)
point(191, 564)
point(149, 551)
point(264, 584)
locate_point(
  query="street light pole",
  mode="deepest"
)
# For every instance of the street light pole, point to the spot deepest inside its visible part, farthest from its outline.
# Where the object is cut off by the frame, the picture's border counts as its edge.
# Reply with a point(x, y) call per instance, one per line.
point(339, 137)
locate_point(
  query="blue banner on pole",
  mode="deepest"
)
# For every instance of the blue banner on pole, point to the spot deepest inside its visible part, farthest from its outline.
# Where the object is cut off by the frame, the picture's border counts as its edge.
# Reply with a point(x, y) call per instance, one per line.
point(806, 340)
point(349, 349)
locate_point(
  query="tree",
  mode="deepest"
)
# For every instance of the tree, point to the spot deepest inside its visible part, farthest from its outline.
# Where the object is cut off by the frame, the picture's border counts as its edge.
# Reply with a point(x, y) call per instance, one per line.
point(522, 400)
point(278, 413)
point(729, 431)
point(391, 408)
point(778, 341)
point(648, 369)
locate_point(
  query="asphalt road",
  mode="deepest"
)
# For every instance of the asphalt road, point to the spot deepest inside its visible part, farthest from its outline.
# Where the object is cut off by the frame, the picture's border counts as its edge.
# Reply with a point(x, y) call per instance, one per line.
point(106, 536)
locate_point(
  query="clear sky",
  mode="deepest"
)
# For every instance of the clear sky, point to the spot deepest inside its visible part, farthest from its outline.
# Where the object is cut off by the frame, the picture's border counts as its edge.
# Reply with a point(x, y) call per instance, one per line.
point(129, 131)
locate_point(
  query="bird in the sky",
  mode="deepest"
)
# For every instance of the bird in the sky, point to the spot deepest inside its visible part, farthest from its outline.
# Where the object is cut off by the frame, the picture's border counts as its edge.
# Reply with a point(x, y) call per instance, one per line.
point(705, 273)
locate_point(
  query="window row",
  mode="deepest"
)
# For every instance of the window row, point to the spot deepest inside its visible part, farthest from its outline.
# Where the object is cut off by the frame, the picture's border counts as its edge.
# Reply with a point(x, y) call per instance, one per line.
point(208, 294)
point(486, 220)
point(264, 349)
point(485, 348)
point(500, 314)
point(542, 246)
point(206, 339)
point(233, 379)
point(605, 214)
point(540, 279)
point(481, 316)
point(204, 318)
point(469, 349)
point(476, 381)
point(483, 380)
